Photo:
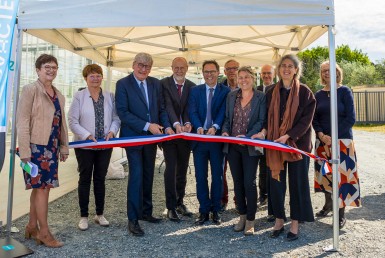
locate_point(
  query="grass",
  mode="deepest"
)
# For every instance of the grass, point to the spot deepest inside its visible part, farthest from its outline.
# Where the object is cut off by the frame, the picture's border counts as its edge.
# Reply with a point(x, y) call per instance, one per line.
point(370, 127)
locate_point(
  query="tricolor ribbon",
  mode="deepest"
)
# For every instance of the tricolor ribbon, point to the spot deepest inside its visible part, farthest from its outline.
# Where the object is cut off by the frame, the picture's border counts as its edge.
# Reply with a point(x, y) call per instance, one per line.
point(150, 139)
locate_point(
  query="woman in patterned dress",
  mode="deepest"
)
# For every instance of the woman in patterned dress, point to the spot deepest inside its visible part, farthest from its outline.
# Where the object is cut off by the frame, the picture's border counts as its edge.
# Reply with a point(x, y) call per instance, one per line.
point(348, 181)
point(245, 115)
point(92, 116)
point(42, 137)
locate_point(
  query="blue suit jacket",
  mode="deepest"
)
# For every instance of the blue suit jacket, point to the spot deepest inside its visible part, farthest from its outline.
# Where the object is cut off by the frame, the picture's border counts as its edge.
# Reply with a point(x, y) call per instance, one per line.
point(198, 106)
point(132, 108)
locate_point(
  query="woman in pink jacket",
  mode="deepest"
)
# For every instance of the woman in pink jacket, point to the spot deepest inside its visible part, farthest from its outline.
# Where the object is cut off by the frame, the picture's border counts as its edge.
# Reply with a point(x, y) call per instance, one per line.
point(42, 131)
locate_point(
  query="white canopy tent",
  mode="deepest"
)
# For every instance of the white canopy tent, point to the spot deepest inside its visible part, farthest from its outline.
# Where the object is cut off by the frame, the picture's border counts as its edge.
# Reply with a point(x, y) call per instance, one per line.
point(111, 32)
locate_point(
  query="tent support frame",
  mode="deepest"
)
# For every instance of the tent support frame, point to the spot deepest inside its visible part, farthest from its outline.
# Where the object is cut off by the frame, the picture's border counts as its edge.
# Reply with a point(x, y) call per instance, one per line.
point(335, 152)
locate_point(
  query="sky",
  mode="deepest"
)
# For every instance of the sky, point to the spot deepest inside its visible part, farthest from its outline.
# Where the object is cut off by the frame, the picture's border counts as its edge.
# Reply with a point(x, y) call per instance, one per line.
point(361, 25)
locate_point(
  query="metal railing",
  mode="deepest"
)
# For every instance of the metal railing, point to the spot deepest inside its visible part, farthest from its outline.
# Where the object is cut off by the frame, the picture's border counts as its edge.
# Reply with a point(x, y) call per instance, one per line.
point(370, 106)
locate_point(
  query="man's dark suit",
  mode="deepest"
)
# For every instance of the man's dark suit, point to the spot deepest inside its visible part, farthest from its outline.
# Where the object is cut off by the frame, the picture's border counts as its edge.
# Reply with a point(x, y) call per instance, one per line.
point(264, 180)
point(202, 151)
point(133, 112)
point(176, 152)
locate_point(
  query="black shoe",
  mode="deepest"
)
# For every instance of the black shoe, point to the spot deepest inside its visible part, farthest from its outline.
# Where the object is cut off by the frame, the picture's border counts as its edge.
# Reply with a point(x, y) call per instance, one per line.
point(151, 219)
point(263, 200)
point(216, 218)
point(291, 236)
point(342, 222)
point(173, 215)
point(182, 209)
point(324, 212)
point(270, 218)
point(134, 228)
point(223, 207)
point(276, 232)
point(203, 217)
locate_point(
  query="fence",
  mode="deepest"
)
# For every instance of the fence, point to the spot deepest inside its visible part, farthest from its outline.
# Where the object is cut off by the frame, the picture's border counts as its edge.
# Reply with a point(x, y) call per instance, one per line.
point(370, 106)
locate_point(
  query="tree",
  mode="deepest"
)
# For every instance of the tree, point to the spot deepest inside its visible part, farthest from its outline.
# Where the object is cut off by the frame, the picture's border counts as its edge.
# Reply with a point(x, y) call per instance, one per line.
point(344, 53)
point(312, 59)
point(380, 71)
point(356, 73)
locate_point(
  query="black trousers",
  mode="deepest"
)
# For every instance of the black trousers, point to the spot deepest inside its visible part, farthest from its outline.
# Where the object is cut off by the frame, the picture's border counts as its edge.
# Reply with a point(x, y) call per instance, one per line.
point(300, 203)
point(93, 164)
point(176, 156)
point(262, 181)
point(244, 170)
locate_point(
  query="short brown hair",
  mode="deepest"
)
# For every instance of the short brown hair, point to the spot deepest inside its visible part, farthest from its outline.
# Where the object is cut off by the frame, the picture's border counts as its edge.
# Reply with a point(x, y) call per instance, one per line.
point(92, 68)
point(43, 59)
point(206, 62)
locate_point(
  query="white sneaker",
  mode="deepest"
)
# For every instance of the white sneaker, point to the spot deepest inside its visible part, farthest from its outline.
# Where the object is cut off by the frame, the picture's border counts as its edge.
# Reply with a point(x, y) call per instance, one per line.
point(101, 220)
point(83, 223)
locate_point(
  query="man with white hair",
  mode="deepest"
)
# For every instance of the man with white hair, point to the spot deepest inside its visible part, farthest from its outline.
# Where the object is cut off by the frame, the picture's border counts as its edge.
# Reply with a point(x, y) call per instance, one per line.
point(140, 109)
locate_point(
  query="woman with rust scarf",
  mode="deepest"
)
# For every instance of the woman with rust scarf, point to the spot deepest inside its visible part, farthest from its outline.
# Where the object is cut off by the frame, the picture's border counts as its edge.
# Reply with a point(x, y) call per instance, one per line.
point(291, 108)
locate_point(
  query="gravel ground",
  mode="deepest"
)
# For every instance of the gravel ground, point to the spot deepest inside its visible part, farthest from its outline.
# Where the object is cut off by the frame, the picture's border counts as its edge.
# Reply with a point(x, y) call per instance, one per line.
point(362, 236)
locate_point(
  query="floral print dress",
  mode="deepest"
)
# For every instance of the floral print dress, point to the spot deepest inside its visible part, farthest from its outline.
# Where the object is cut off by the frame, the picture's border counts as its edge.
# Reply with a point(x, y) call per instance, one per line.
point(46, 157)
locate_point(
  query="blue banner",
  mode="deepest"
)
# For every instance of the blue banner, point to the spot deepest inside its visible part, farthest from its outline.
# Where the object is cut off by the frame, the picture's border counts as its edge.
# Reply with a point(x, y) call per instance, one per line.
point(8, 12)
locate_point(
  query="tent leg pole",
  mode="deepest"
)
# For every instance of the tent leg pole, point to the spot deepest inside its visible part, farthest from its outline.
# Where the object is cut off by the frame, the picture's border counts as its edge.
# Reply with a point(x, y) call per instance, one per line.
point(335, 149)
point(16, 86)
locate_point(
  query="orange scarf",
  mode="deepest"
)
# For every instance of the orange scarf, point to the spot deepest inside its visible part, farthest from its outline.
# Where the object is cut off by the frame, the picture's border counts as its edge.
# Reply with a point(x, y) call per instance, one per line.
point(275, 159)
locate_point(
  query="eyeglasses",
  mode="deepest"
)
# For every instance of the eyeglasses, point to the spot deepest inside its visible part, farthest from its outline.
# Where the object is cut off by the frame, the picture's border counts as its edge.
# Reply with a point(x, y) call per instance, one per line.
point(228, 69)
point(284, 66)
point(141, 66)
point(325, 71)
point(210, 72)
point(95, 77)
point(48, 68)
point(267, 73)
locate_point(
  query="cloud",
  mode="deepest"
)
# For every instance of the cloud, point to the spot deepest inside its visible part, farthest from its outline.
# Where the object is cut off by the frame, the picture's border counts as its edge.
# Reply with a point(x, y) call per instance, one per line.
point(361, 25)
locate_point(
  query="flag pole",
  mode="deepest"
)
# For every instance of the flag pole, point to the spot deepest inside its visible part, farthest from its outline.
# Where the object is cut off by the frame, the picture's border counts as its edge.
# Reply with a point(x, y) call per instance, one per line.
point(16, 85)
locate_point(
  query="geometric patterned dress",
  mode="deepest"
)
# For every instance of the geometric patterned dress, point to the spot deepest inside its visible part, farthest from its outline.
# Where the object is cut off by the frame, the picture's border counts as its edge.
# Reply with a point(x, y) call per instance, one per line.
point(348, 181)
point(46, 157)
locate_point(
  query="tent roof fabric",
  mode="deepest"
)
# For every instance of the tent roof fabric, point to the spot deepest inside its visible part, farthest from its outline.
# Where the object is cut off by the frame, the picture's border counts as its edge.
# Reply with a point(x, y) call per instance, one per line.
point(253, 32)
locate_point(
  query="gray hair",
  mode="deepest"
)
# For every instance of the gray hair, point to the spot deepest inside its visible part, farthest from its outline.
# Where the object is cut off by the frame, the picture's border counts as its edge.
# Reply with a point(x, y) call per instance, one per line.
point(248, 70)
point(143, 58)
point(295, 60)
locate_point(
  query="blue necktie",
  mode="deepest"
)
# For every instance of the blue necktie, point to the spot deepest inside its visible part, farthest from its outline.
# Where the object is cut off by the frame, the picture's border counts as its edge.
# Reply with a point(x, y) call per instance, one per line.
point(143, 92)
point(208, 115)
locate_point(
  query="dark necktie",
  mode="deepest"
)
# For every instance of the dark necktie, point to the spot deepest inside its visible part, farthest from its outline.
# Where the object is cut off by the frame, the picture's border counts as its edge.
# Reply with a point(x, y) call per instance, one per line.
point(143, 92)
point(179, 89)
point(208, 115)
